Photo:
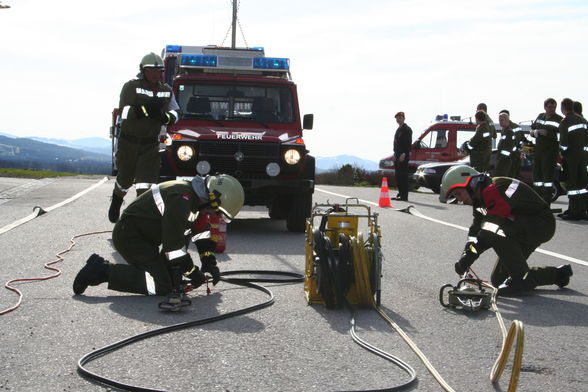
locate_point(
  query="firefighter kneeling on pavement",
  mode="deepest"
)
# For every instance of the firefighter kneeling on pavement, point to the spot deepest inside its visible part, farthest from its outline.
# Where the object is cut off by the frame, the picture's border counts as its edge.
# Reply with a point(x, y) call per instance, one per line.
point(160, 218)
point(511, 218)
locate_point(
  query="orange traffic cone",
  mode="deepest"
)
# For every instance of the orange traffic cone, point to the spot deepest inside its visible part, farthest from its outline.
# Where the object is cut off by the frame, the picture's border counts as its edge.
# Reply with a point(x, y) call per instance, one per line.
point(384, 196)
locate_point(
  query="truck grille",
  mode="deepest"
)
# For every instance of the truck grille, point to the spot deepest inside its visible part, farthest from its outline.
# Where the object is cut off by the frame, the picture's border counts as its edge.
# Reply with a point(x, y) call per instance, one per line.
point(256, 156)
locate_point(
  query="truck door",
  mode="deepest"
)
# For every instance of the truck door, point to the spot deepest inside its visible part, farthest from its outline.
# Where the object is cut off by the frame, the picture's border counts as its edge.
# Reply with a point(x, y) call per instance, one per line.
point(461, 136)
point(433, 146)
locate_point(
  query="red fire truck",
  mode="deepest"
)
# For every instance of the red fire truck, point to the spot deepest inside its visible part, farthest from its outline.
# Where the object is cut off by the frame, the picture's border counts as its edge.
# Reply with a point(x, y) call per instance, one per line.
point(239, 115)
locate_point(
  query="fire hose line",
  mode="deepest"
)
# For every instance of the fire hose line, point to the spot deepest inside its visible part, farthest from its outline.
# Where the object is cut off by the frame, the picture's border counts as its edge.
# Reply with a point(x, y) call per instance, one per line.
point(48, 265)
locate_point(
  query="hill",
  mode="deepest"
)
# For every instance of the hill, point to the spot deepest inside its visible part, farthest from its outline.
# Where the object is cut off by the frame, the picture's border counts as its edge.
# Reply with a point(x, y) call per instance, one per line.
point(330, 163)
point(25, 153)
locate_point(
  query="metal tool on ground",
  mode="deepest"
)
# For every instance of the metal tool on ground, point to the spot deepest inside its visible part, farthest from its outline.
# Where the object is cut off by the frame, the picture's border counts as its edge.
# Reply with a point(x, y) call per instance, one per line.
point(468, 294)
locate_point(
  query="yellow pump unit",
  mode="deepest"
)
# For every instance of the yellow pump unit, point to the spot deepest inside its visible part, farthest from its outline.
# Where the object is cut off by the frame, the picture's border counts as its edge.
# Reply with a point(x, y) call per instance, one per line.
point(342, 264)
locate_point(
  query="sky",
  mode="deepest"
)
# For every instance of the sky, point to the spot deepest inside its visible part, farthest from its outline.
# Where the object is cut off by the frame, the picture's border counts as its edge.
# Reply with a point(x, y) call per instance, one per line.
point(356, 63)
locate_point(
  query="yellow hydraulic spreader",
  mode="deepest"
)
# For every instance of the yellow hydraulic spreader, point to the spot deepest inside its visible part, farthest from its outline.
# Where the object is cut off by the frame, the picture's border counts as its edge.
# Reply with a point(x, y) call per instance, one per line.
point(343, 264)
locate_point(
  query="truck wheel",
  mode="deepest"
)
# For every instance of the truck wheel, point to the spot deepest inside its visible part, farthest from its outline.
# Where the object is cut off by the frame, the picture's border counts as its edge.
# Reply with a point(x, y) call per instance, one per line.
point(278, 208)
point(300, 208)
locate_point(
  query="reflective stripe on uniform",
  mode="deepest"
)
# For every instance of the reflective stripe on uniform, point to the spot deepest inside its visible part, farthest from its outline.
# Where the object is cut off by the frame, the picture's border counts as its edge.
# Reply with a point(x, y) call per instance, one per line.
point(150, 283)
point(504, 152)
point(163, 94)
point(174, 254)
point(564, 148)
point(493, 228)
point(473, 239)
point(552, 123)
point(539, 121)
point(125, 112)
point(538, 183)
point(486, 134)
point(125, 190)
point(143, 185)
point(586, 148)
point(158, 199)
point(576, 127)
point(140, 90)
point(512, 188)
point(517, 130)
point(503, 137)
point(175, 113)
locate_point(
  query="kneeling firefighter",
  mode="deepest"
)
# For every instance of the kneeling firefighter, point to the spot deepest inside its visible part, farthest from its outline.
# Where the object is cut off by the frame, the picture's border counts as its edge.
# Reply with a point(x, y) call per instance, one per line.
point(511, 218)
point(161, 217)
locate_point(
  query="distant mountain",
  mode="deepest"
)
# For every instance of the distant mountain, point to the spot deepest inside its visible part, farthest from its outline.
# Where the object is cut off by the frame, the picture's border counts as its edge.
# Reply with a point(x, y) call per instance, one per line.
point(98, 145)
point(330, 163)
point(32, 154)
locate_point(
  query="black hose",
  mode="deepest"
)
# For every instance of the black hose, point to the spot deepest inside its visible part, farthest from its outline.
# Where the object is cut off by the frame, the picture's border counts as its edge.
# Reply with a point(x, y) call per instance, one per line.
point(293, 277)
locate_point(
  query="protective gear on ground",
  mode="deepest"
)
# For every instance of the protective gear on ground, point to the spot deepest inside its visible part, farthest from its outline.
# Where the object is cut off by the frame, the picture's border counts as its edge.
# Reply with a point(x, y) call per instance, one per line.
point(151, 60)
point(225, 194)
point(455, 177)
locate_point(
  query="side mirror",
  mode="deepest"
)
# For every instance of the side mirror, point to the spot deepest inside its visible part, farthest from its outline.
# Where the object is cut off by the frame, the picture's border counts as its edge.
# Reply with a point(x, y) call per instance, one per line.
point(307, 121)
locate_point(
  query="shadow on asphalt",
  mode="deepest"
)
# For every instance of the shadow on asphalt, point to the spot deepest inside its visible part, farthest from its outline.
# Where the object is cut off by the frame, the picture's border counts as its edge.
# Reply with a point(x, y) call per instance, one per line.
point(145, 309)
point(544, 308)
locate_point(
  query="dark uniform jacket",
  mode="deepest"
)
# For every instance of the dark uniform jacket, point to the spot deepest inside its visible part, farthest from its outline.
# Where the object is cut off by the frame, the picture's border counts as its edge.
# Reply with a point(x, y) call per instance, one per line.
point(491, 125)
point(506, 149)
point(165, 220)
point(573, 134)
point(135, 93)
point(504, 199)
point(480, 147)
point(402, 141)
point(549, 141)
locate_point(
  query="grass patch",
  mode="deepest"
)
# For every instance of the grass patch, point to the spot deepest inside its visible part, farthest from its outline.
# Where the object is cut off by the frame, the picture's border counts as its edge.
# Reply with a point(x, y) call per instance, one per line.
point(26, 173)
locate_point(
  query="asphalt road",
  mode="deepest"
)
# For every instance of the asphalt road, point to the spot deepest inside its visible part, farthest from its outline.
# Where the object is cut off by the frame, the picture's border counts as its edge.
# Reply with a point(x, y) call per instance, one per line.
point(289, 346)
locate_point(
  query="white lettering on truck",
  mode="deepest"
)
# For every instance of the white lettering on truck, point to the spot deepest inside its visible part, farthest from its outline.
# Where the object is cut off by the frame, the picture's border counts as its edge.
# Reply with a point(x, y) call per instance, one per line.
point(239, 136)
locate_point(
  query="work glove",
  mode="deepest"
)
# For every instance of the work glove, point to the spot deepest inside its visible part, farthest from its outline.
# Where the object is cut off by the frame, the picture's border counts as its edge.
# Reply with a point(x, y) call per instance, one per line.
point(155, 110)
point(196, 277)
point(209, 265)
point(466, 260)
point(140, 111)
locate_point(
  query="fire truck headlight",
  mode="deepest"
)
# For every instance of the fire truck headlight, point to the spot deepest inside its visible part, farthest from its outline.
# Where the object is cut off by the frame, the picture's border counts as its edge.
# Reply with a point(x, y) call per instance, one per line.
point(203, 167)
point(185, 153)
point(291, 156)
point(272, 169)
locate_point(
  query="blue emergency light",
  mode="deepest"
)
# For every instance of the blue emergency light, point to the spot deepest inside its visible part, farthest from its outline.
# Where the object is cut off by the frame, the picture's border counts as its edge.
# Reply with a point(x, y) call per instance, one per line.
point(197, 60)
point(270, 63)
point(173, 48)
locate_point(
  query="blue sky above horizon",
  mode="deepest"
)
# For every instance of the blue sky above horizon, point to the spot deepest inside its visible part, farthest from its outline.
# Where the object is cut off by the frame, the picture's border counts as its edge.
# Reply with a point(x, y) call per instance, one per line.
point(356, 63)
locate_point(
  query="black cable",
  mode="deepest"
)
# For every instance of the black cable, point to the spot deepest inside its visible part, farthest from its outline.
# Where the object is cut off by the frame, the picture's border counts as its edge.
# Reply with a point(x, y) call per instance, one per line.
point(294, 277)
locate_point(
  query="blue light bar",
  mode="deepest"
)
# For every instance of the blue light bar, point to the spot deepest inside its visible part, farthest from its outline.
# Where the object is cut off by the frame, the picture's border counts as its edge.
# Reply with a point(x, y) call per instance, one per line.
point(270, 63)
point(173, 48)
point(199, 60)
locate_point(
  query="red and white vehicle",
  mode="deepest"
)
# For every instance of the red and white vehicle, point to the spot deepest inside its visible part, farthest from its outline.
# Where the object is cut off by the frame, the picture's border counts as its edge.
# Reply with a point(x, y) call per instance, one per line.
point(239, 115)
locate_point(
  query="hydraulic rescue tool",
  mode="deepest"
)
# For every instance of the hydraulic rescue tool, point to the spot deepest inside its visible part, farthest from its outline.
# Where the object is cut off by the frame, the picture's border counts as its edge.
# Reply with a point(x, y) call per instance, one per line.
point(468, 294)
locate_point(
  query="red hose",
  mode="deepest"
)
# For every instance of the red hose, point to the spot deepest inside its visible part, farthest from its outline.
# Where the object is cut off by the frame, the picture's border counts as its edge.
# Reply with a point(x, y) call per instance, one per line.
point(47, 266)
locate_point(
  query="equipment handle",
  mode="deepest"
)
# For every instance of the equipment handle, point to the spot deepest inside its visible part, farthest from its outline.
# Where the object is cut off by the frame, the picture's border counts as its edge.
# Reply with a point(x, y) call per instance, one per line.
point(470, 280)
point(441, 292)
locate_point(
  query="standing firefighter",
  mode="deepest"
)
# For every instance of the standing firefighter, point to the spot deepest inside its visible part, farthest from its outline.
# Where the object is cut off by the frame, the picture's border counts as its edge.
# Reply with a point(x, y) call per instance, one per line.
point(519, 140)
point(545, 129)
point(146, 104)
point(160, 218)
point(402, 145)
point(482, 107)
point(505, 147)
point(480, 145)
point(511, 218)
point(574, 140)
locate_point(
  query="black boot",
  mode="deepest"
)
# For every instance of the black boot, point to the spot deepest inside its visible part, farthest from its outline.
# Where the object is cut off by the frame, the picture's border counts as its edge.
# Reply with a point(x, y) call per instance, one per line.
point(517, 286)
point(563, 275)
point(92, 274)
point(114, 210)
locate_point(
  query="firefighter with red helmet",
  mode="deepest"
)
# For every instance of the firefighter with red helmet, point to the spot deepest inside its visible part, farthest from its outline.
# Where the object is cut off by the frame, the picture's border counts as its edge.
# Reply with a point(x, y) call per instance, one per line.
point(146, 104)
point(511, 218)
point(160, 218)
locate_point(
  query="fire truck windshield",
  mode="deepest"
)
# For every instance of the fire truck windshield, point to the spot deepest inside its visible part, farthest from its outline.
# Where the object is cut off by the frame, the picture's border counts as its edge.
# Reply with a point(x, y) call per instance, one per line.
point(222, 102)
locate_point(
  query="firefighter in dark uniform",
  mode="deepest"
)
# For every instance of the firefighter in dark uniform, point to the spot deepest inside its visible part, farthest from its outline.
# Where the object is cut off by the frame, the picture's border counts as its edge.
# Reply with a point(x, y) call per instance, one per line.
point(160, 218)
point(511, 218)
point(573, 141)
point(519, 140)
point(545, 129)
point(480, 145)
point(402, 146)
point(146, 104)
point(484, 108)
point(505, 147)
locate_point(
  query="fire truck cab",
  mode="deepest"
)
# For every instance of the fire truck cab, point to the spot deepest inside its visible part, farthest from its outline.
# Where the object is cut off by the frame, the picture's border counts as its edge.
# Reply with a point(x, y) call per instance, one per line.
point(239, 115)
point(440, 142)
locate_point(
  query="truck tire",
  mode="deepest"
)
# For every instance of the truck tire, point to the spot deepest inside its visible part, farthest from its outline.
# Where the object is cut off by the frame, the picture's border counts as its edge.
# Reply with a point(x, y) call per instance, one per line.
point(300, 208)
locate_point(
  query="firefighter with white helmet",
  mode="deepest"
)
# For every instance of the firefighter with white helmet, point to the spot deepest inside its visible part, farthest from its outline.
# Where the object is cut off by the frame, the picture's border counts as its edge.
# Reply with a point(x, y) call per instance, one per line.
point(511, 218)
point(158, 218)
point(146, 104)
